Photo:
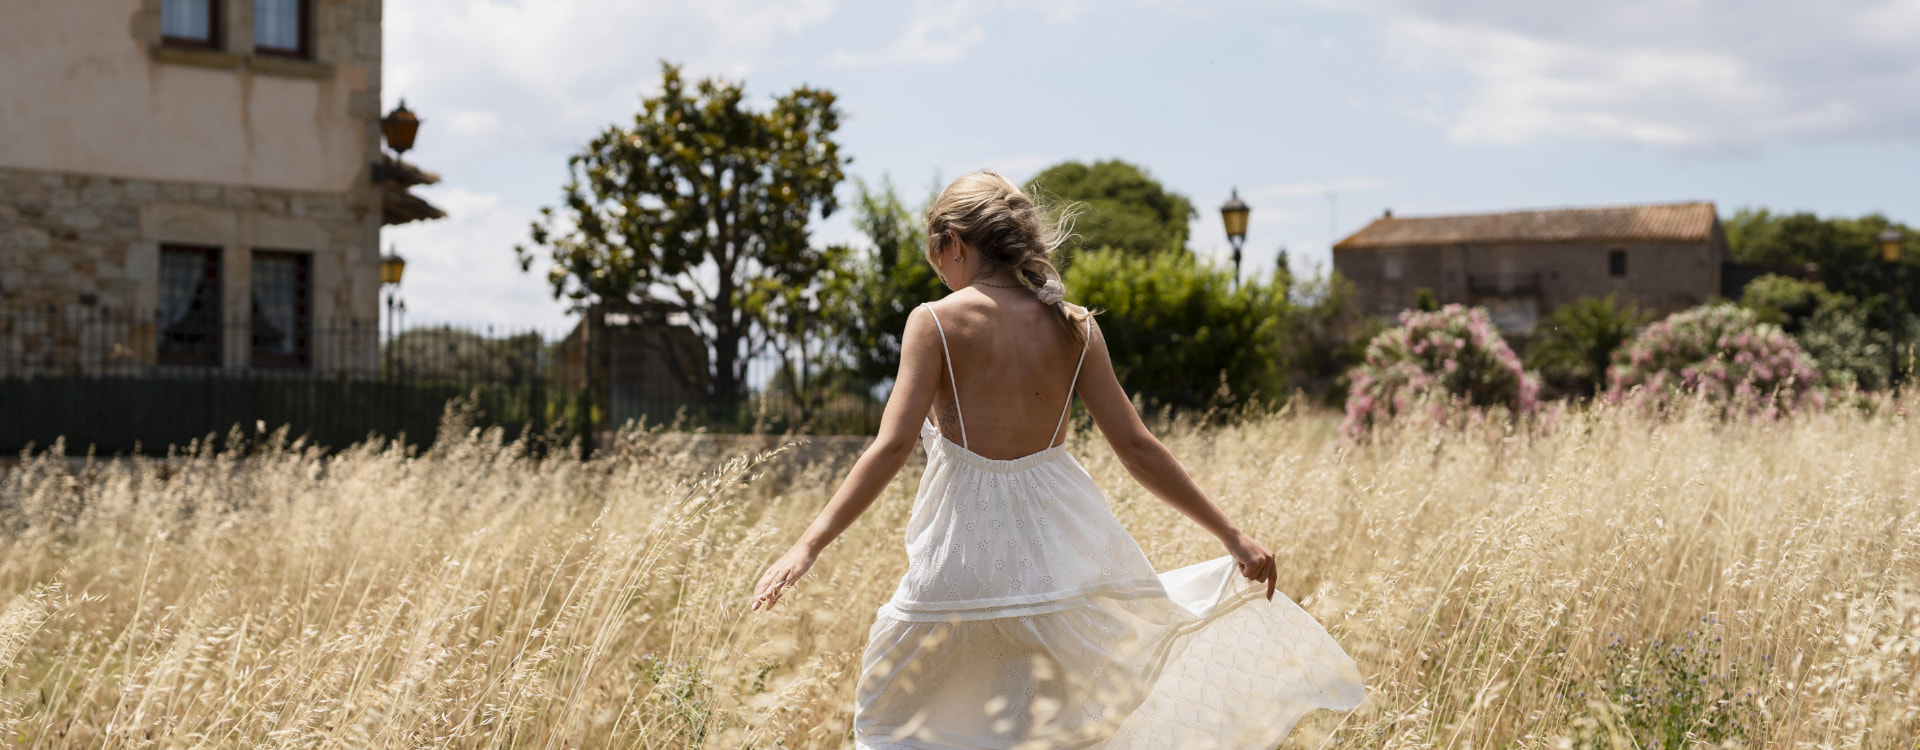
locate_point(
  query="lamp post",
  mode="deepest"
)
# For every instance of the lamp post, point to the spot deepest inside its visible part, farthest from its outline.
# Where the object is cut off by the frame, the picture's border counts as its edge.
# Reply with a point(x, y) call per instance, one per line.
point(391, 267)
point(1892, 242)
point(1234, 214)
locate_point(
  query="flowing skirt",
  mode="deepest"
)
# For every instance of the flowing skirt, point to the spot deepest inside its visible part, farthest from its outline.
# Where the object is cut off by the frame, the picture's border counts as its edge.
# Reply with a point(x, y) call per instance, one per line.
point(1201, 660)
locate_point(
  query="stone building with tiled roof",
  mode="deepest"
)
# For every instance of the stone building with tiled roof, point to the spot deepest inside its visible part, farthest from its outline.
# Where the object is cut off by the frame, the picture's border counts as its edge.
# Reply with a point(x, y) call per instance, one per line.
point(1522, 265)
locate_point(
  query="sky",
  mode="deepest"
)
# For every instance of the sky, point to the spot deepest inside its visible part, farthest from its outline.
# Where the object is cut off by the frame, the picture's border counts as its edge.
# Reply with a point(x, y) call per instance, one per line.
point(1322, 114)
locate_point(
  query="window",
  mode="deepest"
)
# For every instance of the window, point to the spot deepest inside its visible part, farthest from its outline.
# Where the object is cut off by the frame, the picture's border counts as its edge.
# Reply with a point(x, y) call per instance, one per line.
point(280, 27)
point(1391, 267)
point(1617, 263)
point(190, 23)
point(280, 308)
point(188, 320)
point(1507, 275)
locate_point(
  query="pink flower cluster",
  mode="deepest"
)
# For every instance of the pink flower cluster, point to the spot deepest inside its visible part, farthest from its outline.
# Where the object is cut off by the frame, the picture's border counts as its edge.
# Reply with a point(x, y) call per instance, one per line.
point(1437, 364)
point(1720, 353)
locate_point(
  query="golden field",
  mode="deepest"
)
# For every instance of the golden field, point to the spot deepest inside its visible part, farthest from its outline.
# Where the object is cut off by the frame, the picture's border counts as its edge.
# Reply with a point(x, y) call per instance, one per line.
point(1593, 580)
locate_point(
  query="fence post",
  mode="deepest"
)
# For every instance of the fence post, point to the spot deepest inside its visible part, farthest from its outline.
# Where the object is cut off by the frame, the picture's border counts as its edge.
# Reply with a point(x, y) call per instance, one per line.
point(586, 401)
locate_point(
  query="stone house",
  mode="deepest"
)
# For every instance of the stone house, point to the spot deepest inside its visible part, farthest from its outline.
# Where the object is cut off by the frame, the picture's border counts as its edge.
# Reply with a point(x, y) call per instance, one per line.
point(1522, 265)
point(194, 184)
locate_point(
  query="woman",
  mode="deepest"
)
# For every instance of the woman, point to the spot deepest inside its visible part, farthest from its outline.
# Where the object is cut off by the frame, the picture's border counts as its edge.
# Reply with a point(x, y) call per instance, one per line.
point(1028, 616)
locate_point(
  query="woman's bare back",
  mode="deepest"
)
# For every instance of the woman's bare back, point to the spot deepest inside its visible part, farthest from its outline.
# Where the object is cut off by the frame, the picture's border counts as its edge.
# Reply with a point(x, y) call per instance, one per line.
point(1014, 363)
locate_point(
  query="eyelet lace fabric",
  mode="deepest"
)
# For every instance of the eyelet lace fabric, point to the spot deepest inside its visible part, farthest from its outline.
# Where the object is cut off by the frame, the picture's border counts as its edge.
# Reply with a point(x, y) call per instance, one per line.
point(1028, 617)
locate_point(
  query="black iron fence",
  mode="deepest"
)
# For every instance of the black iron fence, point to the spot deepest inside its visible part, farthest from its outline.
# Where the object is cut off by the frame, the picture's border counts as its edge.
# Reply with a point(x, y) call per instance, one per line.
point(124, 383)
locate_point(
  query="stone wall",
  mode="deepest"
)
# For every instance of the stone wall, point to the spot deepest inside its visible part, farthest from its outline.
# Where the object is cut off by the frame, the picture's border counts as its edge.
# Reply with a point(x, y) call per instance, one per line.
point(1663, 277)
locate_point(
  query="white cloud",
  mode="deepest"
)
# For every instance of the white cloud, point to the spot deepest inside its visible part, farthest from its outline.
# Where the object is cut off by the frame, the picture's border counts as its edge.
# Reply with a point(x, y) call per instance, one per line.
point(559, 65)
point(940, 32)
point(1694, 74)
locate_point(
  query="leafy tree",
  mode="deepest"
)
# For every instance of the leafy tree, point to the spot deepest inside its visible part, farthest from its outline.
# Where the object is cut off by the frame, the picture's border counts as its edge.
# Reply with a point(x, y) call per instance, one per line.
point(1572, 351)
point(1125, 208)
point(699, 197)
point(885, 283)
point(812, 359)
point(1178, 328)
point(1847, 252)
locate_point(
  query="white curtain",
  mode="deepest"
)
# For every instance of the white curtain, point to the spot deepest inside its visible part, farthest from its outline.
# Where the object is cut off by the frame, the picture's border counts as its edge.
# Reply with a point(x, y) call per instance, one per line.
point(276, 284)
point(276, 23)
point(181, 274)
point(187, 19)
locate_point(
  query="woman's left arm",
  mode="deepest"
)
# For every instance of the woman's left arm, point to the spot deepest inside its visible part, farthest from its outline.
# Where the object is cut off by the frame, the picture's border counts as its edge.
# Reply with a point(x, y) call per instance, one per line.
point(907, 405)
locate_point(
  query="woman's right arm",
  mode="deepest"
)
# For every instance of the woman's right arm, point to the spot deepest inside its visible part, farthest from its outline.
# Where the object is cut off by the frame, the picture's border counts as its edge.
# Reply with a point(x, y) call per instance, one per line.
point(907, 406)
point(1155, 468)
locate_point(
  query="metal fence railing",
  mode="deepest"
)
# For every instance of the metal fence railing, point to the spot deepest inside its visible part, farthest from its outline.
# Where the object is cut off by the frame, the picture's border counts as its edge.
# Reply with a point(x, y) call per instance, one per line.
point(122, 383)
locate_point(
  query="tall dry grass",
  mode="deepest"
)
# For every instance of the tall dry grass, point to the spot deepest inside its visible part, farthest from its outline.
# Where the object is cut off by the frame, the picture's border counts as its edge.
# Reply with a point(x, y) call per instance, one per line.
point(1600, 582)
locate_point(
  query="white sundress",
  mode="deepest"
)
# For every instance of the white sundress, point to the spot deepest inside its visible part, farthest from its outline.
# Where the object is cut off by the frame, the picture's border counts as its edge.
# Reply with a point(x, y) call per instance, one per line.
point(1028, 617)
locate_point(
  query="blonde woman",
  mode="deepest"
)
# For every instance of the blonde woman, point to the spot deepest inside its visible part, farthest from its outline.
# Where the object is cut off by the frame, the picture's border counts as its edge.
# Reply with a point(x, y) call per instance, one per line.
point(1028, 616)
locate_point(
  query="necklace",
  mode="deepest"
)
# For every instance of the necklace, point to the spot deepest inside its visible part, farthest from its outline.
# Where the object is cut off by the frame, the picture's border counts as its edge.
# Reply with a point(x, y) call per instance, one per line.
point(996, 286)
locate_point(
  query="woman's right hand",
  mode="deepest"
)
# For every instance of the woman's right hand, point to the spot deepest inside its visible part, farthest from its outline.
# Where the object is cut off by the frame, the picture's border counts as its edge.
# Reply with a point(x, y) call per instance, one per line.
point(784, 572)
point(1254, 561)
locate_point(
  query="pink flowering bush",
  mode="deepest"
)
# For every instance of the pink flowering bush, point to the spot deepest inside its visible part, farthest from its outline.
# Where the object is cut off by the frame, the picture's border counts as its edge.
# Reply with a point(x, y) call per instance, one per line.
point(1720, 353)
point(1437, 364)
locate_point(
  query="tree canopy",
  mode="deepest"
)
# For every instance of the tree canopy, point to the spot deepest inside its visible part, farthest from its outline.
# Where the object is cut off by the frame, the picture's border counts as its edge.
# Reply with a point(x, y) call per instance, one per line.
point(887, 282)
point(1846, 250)
point(1125, 208)
point(706, 202)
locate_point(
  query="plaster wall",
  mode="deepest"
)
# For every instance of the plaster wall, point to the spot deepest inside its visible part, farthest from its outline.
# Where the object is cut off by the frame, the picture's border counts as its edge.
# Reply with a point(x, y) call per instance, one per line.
point(83, 89)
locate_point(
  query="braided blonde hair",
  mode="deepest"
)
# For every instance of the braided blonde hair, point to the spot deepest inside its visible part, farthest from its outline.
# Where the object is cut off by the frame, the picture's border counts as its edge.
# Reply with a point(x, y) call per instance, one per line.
point(1010, 230)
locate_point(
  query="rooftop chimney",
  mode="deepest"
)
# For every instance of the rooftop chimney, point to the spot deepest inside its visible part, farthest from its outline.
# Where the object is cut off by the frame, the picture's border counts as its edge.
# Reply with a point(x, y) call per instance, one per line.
point(1389, 214)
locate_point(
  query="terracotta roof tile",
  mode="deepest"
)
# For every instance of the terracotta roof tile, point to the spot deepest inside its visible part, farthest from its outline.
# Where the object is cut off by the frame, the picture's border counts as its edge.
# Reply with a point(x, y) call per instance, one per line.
point(1672, 221)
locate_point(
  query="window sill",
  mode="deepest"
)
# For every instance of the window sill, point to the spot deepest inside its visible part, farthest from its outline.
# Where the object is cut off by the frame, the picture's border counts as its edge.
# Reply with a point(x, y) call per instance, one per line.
point(289, 67)
point(200, 58)
point(285, 67)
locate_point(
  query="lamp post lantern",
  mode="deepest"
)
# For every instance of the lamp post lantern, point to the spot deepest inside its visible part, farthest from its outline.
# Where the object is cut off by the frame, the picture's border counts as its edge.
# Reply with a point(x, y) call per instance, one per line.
point(1892, 242)
point(391, 268)
point(399, 127)
point(1234, 214)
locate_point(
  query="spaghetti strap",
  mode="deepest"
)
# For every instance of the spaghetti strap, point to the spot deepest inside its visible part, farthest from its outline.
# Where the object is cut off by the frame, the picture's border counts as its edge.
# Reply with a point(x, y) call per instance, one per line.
point(1064, 408)
point(958, 416)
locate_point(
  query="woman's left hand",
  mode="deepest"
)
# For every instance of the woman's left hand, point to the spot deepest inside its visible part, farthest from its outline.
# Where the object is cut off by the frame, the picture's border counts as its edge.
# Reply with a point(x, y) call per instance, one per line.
point(784, 572)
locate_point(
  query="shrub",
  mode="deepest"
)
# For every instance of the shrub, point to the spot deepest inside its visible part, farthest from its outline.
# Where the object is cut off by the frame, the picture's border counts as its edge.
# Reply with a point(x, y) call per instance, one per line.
point(1572, 351)
point(1437, 362)
point(1847, 352)
point(1721, 353)
point(1830, 326)
point(1177, 327)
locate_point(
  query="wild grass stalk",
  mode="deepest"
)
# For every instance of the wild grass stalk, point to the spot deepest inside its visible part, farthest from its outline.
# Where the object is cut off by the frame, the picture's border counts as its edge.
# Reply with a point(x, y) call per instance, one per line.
point(1596, 579)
